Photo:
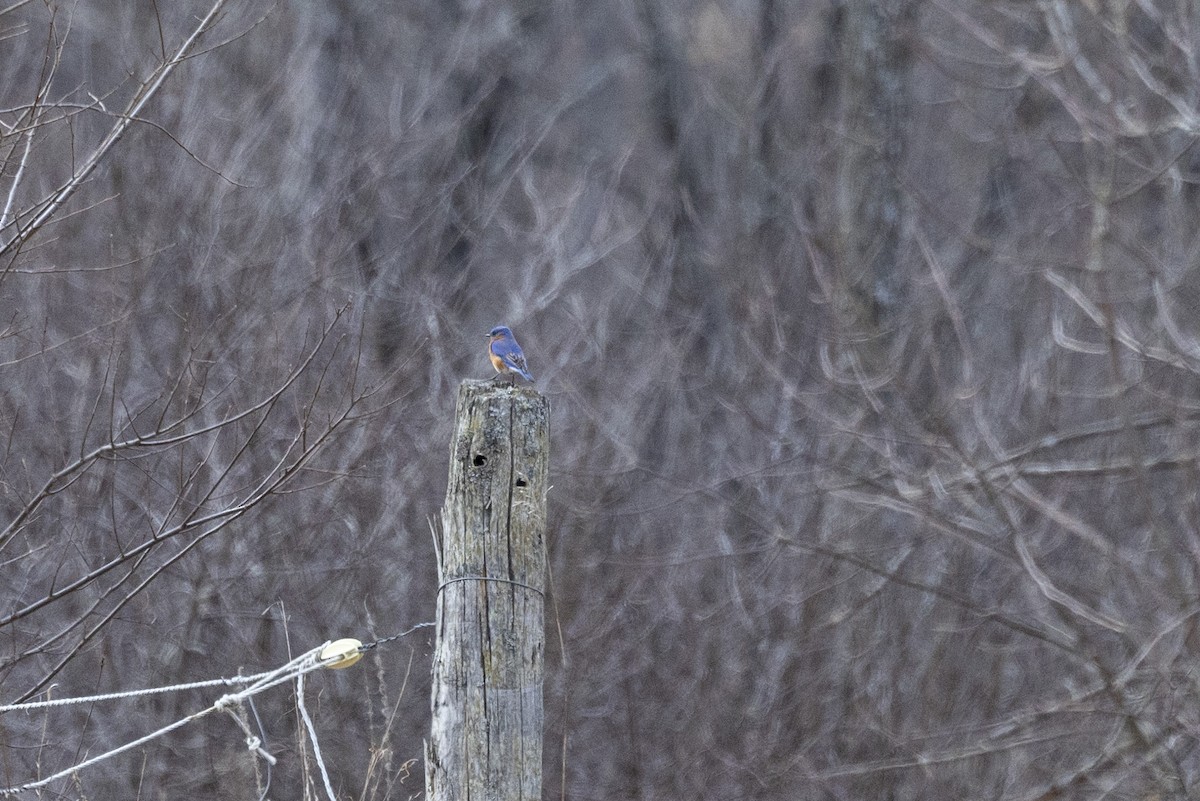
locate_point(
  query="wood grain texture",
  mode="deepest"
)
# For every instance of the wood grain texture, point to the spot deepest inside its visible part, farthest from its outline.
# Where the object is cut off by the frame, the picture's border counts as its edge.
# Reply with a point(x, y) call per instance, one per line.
point(486, 731)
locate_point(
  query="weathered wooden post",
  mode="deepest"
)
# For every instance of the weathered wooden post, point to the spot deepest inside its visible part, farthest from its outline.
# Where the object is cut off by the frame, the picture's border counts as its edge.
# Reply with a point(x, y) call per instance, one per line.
point(486, 736)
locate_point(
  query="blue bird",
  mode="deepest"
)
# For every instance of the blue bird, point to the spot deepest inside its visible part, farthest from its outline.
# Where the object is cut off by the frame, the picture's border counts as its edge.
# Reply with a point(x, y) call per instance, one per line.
point(506, 355)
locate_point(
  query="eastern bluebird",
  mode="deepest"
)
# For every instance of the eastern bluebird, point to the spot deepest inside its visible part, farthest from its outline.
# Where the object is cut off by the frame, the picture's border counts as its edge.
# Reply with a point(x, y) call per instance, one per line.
point(506, 354)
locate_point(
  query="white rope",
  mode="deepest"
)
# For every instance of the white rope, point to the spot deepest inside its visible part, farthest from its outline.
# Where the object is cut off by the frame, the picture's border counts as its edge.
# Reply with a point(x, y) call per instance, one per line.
point(88, 699)
point(253, 741)
point(312, 735)
point(295, 669)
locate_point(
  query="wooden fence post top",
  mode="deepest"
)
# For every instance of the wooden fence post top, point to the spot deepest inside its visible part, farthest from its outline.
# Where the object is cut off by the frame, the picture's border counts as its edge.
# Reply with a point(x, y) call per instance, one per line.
point(499, 455)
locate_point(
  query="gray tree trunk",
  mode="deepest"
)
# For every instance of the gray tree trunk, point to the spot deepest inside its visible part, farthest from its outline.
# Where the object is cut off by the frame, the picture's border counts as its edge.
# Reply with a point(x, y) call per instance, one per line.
point(486, 734)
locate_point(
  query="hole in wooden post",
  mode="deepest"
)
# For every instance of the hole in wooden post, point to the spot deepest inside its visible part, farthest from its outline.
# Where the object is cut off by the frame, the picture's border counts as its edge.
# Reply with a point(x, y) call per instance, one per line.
point(480, 460)
point(520, 482)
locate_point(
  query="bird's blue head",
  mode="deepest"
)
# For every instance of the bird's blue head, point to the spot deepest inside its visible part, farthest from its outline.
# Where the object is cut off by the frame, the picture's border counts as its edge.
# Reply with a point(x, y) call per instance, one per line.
point(499, 331)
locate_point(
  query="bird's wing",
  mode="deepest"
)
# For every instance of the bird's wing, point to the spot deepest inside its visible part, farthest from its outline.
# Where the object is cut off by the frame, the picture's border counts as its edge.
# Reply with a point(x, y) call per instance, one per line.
point(517, 359)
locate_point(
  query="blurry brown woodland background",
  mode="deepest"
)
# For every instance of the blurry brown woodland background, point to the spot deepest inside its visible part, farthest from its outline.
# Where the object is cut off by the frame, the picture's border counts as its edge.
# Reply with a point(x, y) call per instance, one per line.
point(870, 331)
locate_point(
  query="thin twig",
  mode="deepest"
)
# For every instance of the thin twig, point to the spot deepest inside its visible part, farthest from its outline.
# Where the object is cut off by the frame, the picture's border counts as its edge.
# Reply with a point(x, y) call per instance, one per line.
point(143, 95)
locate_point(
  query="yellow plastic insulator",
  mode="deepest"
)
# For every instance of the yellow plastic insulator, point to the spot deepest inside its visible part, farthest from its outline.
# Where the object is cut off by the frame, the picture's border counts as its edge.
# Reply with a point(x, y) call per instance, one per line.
point(344, 653)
